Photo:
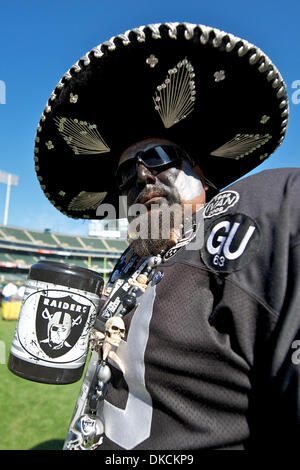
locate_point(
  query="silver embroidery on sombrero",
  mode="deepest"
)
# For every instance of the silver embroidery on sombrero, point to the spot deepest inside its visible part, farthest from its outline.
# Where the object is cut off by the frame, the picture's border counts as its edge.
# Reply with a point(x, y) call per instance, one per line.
point(86, 200)
point(219, 75)
point(152, 61)
point(241, 145)
point(264, 119)
point(73, 98)
point(81, 136)
point(175, 97)
point(49, 145)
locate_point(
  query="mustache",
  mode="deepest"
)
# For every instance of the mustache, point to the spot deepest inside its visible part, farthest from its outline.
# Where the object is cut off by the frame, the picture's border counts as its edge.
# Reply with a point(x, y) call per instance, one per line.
point(150, 191)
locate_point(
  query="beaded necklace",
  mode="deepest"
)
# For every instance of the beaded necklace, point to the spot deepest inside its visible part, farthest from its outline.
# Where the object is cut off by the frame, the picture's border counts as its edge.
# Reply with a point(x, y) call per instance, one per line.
point(129, 279)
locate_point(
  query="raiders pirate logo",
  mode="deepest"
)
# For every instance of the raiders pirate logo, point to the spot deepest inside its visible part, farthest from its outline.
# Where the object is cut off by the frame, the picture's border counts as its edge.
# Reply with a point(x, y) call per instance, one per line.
point(59, 324)
point(230, 243)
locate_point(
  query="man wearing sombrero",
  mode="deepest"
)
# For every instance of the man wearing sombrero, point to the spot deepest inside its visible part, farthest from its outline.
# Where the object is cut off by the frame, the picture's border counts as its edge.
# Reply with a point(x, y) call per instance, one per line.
point(193, 348)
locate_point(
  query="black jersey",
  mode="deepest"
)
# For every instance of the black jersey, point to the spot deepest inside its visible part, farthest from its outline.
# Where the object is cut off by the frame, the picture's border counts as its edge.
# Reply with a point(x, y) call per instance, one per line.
point(211, 356)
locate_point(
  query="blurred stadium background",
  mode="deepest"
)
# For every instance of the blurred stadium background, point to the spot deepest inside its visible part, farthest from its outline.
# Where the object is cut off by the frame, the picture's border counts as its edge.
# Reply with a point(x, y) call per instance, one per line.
point(35, 415)
point(21, 247)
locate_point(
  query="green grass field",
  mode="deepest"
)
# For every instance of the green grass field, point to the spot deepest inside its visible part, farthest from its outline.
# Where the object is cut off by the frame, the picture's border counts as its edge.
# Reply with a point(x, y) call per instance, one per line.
point(32, 415)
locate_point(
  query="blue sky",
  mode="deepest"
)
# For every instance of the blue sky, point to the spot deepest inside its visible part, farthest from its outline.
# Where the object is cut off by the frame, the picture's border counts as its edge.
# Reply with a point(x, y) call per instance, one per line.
point(41, 39)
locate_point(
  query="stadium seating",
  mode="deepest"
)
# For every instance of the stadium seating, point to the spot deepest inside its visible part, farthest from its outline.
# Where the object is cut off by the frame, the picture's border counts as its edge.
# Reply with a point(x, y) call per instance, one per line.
point(68, 241)
point(50, 239)
point(94, 243)
point(116, 245)
point(5, 257)
point(20, 248)
point(23, 258)
point(43, 238)
point(12, 233)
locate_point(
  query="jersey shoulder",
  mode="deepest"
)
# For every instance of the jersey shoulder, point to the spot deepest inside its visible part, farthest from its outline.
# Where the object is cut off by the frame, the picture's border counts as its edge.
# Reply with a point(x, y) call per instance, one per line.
point(259, 195)
point(275, 181)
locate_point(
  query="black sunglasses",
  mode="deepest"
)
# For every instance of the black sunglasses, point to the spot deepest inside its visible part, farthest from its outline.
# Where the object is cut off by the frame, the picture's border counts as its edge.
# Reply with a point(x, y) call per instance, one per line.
point(157, 158)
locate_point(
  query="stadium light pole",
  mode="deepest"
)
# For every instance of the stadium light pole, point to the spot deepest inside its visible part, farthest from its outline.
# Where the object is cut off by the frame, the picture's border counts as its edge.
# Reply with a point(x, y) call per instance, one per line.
point(10, 180)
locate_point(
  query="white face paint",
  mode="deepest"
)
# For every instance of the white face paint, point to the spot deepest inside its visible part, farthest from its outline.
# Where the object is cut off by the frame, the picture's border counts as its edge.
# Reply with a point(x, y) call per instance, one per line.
point(188, 183)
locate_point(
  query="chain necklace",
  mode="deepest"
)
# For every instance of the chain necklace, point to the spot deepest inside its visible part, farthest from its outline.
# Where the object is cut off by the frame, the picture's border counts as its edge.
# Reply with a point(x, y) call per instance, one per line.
point(130, 277)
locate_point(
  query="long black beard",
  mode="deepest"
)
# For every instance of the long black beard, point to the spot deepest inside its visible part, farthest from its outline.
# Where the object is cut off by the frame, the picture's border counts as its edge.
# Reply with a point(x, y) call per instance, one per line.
point(145, 248)
point(156, 230)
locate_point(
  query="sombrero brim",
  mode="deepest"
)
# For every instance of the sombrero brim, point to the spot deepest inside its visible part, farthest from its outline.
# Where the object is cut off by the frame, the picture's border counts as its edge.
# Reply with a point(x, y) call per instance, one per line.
point(228, 109)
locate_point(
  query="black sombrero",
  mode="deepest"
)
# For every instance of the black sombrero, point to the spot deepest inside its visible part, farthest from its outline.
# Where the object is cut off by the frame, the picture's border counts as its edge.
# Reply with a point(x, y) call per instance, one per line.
point(215, 95)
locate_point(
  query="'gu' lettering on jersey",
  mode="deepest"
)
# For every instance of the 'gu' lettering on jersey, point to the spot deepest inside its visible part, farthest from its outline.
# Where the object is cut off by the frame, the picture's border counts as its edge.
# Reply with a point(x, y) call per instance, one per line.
point(211, 352)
